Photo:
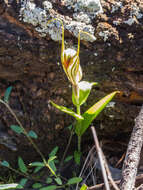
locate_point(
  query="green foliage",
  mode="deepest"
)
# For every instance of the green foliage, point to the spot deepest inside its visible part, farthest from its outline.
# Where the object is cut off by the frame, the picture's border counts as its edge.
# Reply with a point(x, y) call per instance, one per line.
point(54, 152)
point(40, 164)
point(7, 94)
point(32, 134)
point(68, 111)
point(50, 187)
point(58, 181)
point(22, 182)
point(84, 88)
point(92, 113)
point(17, 129)
point(5, 164)
point(22, 165)
point(74, 180)
point(37, 169)
point(36, 185)
point(49, 180)
point(52, 165)
point(68, 158)
point(80, 92)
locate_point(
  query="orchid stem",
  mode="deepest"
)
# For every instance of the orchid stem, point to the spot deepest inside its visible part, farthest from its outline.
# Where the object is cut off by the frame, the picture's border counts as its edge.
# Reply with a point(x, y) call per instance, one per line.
point(79, 137)
point(79, 143)
point(78, 109)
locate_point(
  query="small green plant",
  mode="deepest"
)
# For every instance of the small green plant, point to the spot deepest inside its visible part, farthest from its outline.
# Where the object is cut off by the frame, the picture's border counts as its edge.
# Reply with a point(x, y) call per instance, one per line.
point(80, 91)
point(53, 181)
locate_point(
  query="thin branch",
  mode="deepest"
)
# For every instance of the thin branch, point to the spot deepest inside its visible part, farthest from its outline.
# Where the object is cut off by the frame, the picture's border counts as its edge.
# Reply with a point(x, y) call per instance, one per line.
point(101, 159)
point(109, 174)
point(129, 170)
point(139, 180)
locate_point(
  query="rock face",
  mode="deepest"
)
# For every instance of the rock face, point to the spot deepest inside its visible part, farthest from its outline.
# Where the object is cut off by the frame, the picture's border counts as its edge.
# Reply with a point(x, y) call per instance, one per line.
point(30, 62)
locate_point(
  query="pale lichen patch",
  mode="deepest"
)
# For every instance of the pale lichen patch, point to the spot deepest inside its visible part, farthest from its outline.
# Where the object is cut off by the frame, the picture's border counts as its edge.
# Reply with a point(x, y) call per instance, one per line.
point(104, 34)
point(135, 15)
point(39, 17)
point(116, 6)
point(84, 10)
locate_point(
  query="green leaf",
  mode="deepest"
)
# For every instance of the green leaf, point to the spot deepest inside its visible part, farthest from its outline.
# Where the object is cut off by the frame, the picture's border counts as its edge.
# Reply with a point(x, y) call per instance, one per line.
point(84, 91)
point(52, 166)
point(36, 185)
point(51, 187)
point(32, 134)
point(52, 158)
point(92, 113)
point(58, 181)
point(74, 180)
point(38, 168)
point(49, 180)
point(7, 94)
point(54, 151)
point(67, 110)
point(84, 187)
point(21, 165)
point(23, 181)
point(8, 186)
point(77, 156)
point(16, 129)
point(68, 158)
point(40, 164)
point(5, 163)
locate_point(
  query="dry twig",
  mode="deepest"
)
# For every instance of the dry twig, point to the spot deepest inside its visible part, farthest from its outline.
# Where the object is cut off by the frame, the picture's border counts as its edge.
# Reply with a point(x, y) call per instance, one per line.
point(139, 180)
point(109, 174)
point(101, 159)
point(132, 158)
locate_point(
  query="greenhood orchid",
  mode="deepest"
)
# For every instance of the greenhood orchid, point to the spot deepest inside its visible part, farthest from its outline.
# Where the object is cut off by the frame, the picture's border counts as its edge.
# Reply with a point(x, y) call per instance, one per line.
point(80, 89)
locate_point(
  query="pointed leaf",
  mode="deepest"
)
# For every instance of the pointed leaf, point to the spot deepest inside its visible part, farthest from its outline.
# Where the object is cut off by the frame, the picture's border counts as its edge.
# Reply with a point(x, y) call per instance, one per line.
point(58, 181)
point(52, 166)
point(54, 151)
point(32, 134)
point(50, 187)
point(49, 180)
point(84, 91)
point(5, 163)
point(68, 158)
point(23, 181)
point(21, 165)
point(16, 129)
point(8, 186)
point(37, 169)
point(40, 164)
point(7, 94)
point(68, 111)
point(92, 113)
point(84, 187)
point(36, 185)
point(52, 158)
point(74, 180)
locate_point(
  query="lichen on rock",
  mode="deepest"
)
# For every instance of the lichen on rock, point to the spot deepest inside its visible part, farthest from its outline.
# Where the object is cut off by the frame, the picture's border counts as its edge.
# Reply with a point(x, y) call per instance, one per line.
point(135, 14)
point(39, 17)
point(85, 10)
